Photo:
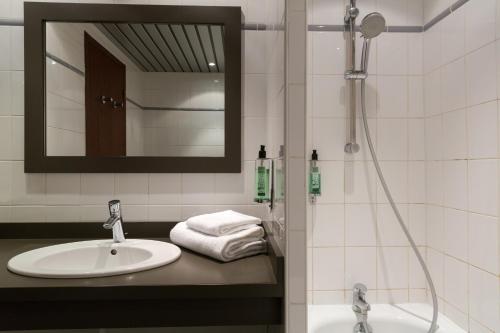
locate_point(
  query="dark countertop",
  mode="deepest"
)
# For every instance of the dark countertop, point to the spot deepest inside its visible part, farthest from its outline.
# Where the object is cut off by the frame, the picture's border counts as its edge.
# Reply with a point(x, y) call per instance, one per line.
point(191, 271)
point(193, 291)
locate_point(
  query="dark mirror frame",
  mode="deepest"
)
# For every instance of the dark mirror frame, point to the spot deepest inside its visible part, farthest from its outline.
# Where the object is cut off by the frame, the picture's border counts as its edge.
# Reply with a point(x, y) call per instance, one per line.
point(35, 16)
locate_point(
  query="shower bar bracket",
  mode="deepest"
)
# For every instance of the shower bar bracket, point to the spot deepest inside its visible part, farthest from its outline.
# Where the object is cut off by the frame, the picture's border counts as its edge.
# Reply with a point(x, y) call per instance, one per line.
point(355, 75)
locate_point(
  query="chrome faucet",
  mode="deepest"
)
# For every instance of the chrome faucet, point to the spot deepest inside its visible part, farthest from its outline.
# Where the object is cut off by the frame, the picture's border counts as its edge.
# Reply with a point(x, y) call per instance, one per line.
point(360, 307)
point(115, 221)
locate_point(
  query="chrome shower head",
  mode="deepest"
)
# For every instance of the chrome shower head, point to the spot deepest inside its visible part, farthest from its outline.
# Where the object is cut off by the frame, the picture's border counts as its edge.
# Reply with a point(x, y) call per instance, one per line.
point(372, 25)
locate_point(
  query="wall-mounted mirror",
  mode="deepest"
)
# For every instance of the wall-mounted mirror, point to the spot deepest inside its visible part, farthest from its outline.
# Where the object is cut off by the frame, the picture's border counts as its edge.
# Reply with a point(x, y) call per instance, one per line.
point(126, 89)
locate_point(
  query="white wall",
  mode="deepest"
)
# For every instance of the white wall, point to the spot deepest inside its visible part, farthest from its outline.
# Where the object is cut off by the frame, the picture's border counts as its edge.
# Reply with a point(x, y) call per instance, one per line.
point(352, 233)
point(146, 197)
point(183, 132)
point(461, 110)
point(433, 99)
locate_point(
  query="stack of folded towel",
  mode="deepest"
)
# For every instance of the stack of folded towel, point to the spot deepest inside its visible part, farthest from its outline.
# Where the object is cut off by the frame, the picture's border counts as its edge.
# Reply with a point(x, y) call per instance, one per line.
point(225, 236)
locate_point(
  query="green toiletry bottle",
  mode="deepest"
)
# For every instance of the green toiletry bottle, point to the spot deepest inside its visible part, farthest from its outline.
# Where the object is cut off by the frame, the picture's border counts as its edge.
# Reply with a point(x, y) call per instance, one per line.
point(262, 172)
point(314, 177)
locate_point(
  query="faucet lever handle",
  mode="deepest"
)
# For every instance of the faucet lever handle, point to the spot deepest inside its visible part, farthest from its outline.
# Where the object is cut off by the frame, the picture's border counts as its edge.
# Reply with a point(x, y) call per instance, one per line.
point(114, 207)
point(359, 292)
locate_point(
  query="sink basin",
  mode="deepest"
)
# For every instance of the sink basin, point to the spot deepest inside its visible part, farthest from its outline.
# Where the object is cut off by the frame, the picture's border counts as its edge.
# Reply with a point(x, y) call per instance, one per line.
point(94, 258)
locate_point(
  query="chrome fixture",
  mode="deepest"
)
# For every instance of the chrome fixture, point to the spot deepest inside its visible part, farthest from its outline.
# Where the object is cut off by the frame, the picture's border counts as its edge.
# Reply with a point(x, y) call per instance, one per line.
point(360, 307)
point(350, 27)
point(373, 25)
point(115, 221)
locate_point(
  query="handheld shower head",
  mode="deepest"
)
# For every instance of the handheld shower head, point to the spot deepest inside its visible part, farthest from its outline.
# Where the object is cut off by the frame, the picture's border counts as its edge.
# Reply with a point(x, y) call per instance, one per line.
point(372, 25)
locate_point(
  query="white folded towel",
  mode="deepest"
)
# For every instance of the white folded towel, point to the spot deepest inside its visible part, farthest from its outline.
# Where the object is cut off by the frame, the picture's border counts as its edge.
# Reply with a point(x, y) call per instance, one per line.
point(225, 248)
point(222, 223)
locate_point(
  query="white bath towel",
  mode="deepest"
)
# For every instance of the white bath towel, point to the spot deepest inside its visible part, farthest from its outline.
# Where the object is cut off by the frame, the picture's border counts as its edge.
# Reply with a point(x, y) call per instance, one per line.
point(224, 248)
point(222, 223)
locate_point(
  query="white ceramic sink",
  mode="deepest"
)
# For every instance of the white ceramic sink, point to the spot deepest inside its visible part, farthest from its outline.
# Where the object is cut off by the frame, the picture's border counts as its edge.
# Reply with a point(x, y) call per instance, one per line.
point(94, 258)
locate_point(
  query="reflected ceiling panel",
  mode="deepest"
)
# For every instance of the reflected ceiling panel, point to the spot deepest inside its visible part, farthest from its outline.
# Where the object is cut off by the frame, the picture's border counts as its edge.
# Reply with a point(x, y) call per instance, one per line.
point(170, 47)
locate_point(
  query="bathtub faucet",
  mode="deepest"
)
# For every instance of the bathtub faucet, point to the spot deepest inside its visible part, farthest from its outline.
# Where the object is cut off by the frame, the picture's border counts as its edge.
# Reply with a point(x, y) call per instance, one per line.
point(360, 307)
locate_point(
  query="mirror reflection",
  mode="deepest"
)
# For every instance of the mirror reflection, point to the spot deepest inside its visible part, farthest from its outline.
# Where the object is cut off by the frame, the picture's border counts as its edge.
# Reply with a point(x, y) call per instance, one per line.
point(134, 89)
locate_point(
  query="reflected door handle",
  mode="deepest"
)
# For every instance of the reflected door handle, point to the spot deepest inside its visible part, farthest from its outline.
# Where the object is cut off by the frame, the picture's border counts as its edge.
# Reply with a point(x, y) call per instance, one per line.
point(117, 104)
point(105, 99)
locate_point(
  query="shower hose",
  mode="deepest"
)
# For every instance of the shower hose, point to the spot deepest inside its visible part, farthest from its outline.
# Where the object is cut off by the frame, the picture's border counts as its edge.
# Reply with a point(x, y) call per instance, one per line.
point(388, 194)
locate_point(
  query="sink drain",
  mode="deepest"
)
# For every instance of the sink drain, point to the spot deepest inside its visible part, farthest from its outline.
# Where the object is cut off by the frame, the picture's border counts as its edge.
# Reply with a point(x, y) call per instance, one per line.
point(114, 252)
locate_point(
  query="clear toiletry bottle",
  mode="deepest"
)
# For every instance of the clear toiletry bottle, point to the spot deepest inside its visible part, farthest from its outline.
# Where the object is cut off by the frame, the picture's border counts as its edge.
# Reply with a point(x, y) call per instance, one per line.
point(314, 177)
point(279, 176)
point(262, 173)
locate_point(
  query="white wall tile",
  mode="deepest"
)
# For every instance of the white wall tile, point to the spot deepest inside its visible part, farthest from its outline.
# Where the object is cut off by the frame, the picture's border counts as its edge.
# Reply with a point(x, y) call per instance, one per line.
point(392, 51)
point(483, 242)
point(395, 11)
point(416, 139)
point(484, 295)
point(479, 24)
point(63, 189)
point(481, 85)
point(392, 139)
point(435, 227)
point(5, 182)
point(5, 138)
point(416, 182)
point(455, 184)
point(434, 182)
point(332, 177)
point(432, 93)
point(433, 135)
point(365, 272)
point(482, 125)
point(328, 277)
point(360, 217)
point(328, 225)
point(296, 275)
point(455, 283)
point(131, 189)
point(417, 276)
point(415, 96)
point(329, 137)
point(455, 135)
point(396, 176)
point(435, 263)
point(453, 32)
point(393, 268)
point(360, 182)
point(393, 96)
point(456, 233)
point(417, 222)
point(328, 53)
point(432, 47)
point(5, 45)
point(5, 91)
point(27, 188)
point(328, 297)
point(453, 86)
point(165, 189)
point(198, 189)
point(328, 96)
point(388, 229)
point(483, 186)
point(415, 51)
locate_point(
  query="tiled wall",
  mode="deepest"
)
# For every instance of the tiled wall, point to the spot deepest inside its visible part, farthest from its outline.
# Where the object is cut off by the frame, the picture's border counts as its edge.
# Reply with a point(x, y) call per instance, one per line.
point(353, 235)
point(146, 197)
point(183, 133)
point(433, 104)
point(462, 54)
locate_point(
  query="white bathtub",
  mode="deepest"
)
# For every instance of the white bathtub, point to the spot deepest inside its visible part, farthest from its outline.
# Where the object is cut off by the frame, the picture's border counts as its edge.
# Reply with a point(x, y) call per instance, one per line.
point(383, 318)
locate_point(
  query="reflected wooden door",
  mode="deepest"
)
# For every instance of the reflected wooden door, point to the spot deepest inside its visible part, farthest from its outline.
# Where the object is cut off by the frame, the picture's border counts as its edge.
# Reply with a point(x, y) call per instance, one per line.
point(105, 114)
